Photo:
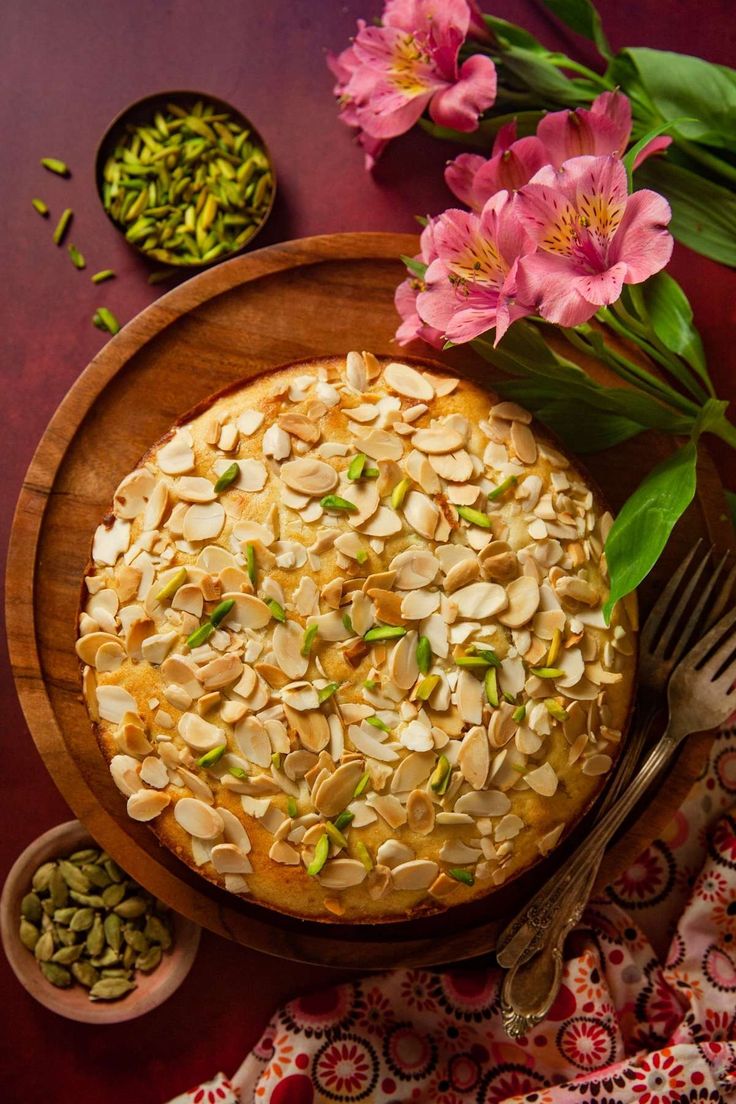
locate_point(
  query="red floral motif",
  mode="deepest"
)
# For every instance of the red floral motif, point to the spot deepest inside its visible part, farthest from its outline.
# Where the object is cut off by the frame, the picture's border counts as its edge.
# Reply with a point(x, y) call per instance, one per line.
point(587, 978)
point(346, 1069)
point(587, 1042)
point(415, 990)
point(711, 886)
point(724, 913)
point(657, 1079)
point(375, 1012)
point(724, 840)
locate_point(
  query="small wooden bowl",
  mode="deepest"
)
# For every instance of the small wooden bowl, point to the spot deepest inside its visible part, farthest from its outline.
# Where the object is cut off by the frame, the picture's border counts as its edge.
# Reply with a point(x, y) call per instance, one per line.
point(153, 989)
point(142, 111)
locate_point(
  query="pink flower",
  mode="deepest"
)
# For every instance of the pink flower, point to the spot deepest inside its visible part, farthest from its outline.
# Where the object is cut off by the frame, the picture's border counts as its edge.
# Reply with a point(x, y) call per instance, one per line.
point(471, 286)
point(512, 164)
point(604, 129)
point(591, 237)
point(392, 73)
point(412, 327)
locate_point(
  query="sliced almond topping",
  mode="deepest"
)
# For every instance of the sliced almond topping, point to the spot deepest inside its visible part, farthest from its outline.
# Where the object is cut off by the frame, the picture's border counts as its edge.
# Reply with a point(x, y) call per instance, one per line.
point(455, 467)
point(200, 734)
point(131, 496)
point(421, 513)
point(365, 497)
point(124, 770)
point(474, 758)
point(420, 814)
point(110, 542)
point(511, 412)
point(460, 574)
point(342, 874)
point(523, 442)
point(355, 371)
point(418, 604)
point(198, 819)
point(415, 875)
point(284, 853)
point(437, 440)
point(310, 477)
point(249, 612)
point(480, 600)
point(597, 764)
point(229, 859)
point(334, 794)
point(177, 455)
point(299, 425)
point(572, 589)
point(88, 646)
point(523, 597)
point(147, 804)
point(388, 606)
point(311, 727)
point(406, 381)
point(379, 444)
point(287, 644)
point(469, 694)
point(193, 488)
point(403, 668)
point(220, 672)
point(204, 522)
point(113, 702)
point(414, 569)
point(483, 803)
point(384, 523)
point(542, 780)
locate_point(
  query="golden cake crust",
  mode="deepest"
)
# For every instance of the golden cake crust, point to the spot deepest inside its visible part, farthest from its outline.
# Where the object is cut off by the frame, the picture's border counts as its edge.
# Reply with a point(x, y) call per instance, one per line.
point(461, 791)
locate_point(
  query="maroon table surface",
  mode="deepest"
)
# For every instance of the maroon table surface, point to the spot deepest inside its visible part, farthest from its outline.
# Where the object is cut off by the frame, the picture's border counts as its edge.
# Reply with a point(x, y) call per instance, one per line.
point(67, 70)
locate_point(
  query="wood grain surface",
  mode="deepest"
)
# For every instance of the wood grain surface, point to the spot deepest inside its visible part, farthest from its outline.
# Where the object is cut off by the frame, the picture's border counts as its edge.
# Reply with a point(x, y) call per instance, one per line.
point(303, 298)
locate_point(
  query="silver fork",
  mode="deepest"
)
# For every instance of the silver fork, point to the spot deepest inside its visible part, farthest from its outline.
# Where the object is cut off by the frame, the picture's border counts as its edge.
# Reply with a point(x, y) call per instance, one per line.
point(531, 945)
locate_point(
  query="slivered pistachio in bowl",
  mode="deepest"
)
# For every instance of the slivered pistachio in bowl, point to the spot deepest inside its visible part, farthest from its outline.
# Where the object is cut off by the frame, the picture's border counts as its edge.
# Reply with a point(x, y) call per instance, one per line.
point(86, 921)
point(187, 182)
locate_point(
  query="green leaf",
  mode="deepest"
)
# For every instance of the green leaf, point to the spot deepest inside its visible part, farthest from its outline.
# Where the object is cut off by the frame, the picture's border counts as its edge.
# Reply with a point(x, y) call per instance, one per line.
point(679, 84)
point(508, 34)
point(417, 268)
point(544, 78)
point(671, 317)
point(581, 16)
point(703, 213)
point(584, 430)
point(644, 524)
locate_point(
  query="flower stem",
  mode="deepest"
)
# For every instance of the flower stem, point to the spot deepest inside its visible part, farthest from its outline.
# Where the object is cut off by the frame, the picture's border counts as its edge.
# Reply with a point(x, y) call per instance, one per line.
point(650, 344)
point(725, 430)
point(561, 61)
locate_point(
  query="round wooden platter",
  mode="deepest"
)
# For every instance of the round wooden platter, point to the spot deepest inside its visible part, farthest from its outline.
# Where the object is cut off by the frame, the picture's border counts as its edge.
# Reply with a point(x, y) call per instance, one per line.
point(300, 299)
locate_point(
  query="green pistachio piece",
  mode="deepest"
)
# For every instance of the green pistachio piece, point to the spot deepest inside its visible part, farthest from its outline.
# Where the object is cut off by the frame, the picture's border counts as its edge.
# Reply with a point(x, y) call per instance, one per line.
point(321, 852)
point(334, 502)
point(228, 476)
point(384, 632)
point(169, 590)
point(475, 517)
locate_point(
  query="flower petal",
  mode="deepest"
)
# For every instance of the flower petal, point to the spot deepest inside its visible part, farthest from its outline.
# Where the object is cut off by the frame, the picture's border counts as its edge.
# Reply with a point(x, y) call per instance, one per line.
point(460, 174)
point(657, 145)
point(602, 288)
point(550, 284)
point(511, 169)
point(642, 240)
point(459, 105)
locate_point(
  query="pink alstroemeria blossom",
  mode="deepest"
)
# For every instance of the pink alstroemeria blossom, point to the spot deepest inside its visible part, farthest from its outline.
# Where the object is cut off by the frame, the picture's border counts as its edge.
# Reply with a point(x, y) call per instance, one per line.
point(591, 237)
point(412, 327)
point(471, 287)
point(604, 129)
point(392, 73)
point(512, 164)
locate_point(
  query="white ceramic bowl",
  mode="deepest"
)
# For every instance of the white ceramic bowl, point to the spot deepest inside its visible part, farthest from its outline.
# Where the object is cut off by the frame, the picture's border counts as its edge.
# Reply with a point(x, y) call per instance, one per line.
point(152, 989)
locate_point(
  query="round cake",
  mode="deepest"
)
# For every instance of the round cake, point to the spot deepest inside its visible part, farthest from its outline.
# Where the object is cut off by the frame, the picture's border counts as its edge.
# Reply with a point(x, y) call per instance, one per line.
point(343, 644)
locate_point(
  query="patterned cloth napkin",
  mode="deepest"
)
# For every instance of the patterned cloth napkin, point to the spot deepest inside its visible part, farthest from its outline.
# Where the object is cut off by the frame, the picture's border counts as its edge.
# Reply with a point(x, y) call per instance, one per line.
point(646, 1013)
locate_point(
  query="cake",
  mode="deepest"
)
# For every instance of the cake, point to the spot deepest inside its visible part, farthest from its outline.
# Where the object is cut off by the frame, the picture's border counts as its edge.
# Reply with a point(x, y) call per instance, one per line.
point(342, 640)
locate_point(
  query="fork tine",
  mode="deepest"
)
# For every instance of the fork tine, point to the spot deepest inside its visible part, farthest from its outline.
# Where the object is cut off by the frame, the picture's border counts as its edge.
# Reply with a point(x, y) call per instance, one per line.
point(727, 681)
point(679, 610)
point(659, 609)
point(692, 622)
point(718, 658)
point(723, 598)
point(710, 640)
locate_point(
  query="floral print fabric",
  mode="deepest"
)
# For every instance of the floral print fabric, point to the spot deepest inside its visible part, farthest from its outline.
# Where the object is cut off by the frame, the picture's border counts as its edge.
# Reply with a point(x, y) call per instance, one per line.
point(646, 1013)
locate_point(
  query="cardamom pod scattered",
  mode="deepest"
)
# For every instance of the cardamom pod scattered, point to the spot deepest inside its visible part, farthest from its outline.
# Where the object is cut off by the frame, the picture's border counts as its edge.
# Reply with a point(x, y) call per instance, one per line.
point(188, 186)
point(99, 939)
point(55, 166)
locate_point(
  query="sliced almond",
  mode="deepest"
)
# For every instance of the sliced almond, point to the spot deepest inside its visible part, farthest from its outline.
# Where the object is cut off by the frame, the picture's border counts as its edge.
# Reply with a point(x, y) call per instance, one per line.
point(194, 488)
point(287, 644)
point(542, 780)
point(113, 702)
point(523, 442)
point(461, 574)
point(311, 727)
point(342, 874)
point(124, 770)
point(336, 791)
point(200, 734)
point(474, 757)
point(406, 381)
point(198, 819)
point(379, 444)
point(177, 455)
point(421, 513)
point(415, 875)
point(414, 569)
point(438, 440)
point(249, 612)
point(480, 600)
point(420, 813)
point(88, 646)
point(300, 426)
point(309, 476)
point(203, 522)
point(523, 602)
point(483, 803)
point(403, 668)
point(229, 859)
point(147, 804)
point(412, 771)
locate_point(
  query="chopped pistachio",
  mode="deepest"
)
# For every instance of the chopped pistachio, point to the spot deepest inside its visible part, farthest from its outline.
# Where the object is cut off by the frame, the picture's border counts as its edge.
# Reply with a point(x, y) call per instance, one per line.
point(501, 489)
point(102, 275)
point(491, 686)
point(547, 672)
point(424, 655)
point(277, 611)
point(355, 468)
point(399, 493)
point(201, 635)
point(370, 684)
point(362, 784)
point(426, 687)
point(335, 834)
point(384, 632)
point(62, 226)
point(250, 562)
point(344, 819)
point(310, 635)
point(334, 502)
point(292, 807)
point(555, 709)
point(276, 760)
point(376, 722)
point(475, 517)
point(237, 772)
point(76, 257)
point(321, 852)
point(348, 623)
point(211, 757)
point(221, 611)
point(361, 556)
point(327, 691)
point(519, 714)
point(439, 777)
point(170, 589)
point(228, 476)
point(554, 648)
point(461, 875)
point(364, 855)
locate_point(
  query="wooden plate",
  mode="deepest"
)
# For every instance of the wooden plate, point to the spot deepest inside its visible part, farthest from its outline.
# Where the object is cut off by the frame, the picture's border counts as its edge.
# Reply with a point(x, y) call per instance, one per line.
point(300, 299)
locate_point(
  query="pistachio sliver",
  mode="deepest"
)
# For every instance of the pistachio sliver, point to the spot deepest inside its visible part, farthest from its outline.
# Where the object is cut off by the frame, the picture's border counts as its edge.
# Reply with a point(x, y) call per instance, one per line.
point(554, 648)
point(384, 632)
point(362, 784)
point(424, 655)
point(211, 757)
point(461, 875)
point(62, 226)
point(310, 635)
point(344, 819)
point(327, 691)
point(426, 687)
point(76, 257)
point(355, 468)
point(334, 502)
point(321, 852)
point(490, 684)
point(440, 775)
point(221, 611)
point(475, 517)
point(170, 589)
point(250, 560)
point(291, 807)
point(547, 672)
point(201, 635)
point(335, 834)
point(364, 855)
point(376, 722)
point(277, 760)
point(277, 610)
point(102, 275)
point(501, 489)
point(237, 772)
point(106, 320)
point(555, 709)
point(519, 714)
point(399, 493)
point(228, 476)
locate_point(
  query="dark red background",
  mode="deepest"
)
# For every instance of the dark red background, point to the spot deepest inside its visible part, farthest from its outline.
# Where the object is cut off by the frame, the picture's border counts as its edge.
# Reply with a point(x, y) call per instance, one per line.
point(68, 68)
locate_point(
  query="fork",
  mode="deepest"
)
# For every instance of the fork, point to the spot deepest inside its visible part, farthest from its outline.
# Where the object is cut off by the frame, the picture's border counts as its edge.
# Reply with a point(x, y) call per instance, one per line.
point(531, 945)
